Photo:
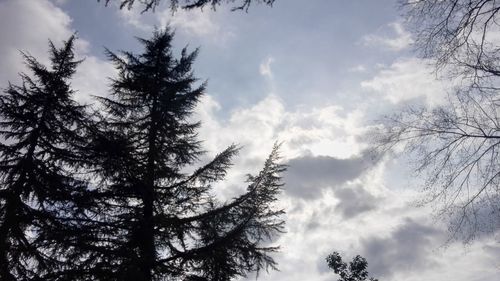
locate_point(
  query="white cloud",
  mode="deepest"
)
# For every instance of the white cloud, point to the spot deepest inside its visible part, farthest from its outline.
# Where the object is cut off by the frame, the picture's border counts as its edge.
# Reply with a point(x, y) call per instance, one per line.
point(195, 22)
point(92, 79)
point(32, 36)
point(357, 69)
point(392, 36)
point(353, 214)
point(255, 127)
point(134, 17)
point(327, 130)
point(26, 26)
point(408, 79)
point(265, 67)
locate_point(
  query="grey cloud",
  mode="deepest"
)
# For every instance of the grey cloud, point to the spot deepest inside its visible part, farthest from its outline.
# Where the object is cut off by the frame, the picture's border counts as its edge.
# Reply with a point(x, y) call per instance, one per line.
point(493, 251)
point(322, 265)
point(28, 35)
point(408, 248)
point(316, 220)
point(354, 201)
point(308, 176)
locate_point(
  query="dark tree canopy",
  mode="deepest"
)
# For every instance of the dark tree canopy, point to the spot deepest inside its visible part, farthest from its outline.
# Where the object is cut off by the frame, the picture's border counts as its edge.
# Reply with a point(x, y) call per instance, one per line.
point(188, 4)
point(108, 196)
point(40, 195)
point(356, 270)
point(162, 223)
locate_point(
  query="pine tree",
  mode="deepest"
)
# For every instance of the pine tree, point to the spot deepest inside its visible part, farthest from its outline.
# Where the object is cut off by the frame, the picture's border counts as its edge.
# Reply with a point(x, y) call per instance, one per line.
point(40, 197)
point(161, 222)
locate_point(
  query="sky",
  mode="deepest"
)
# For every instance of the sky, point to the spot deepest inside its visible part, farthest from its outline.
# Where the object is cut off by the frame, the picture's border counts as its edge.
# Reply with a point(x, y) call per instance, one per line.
point(315, 75)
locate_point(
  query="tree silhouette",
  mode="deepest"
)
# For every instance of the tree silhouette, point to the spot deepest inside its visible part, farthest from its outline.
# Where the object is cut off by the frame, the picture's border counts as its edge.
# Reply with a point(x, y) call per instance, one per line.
point(188, 4)
point(161, 222)
point(41, 197)
point(460, 33)
point(455, 145)
point(355, 271)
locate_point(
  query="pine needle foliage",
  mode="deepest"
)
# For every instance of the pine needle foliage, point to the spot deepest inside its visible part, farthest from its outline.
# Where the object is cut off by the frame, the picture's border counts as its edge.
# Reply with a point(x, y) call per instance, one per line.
point(162, 223)
point(41, 197)
point(108, 196)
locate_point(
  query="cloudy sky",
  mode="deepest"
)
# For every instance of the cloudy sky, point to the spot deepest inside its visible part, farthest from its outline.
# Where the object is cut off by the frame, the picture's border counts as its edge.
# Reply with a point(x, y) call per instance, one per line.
point(315, 75)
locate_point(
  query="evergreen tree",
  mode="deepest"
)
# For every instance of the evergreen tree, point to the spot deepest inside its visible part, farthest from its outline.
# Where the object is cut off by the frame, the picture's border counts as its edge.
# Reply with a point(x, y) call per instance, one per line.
point(40, 198)
point(162, 223)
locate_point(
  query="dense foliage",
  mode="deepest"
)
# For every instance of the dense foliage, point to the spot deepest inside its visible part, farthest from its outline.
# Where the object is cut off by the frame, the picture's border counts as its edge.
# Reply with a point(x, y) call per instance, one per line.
point(107, 196)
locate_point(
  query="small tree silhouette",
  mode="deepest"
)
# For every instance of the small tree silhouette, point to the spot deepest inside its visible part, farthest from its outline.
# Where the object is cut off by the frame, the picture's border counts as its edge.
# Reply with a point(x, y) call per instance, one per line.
point(355, 271)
